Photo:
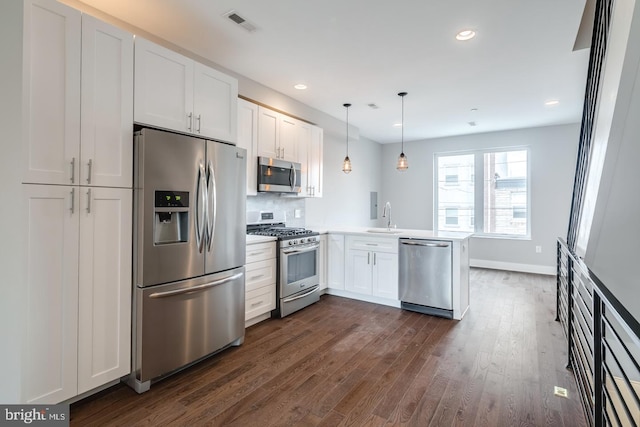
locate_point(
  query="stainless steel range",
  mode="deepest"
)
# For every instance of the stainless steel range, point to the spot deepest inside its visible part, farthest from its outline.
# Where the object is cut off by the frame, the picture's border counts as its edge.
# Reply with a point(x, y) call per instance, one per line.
point(298, 260)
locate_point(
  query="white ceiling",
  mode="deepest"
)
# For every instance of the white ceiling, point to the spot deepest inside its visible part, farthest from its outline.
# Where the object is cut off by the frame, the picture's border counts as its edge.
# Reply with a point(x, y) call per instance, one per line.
point(366, 51)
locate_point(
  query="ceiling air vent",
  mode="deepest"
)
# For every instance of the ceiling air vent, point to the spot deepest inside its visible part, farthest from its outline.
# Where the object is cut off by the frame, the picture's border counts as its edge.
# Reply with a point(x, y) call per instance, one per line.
point(232, 15)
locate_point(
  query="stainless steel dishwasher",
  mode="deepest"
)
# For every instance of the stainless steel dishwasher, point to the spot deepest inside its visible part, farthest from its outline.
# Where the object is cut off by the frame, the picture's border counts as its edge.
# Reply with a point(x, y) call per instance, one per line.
point(425, 273)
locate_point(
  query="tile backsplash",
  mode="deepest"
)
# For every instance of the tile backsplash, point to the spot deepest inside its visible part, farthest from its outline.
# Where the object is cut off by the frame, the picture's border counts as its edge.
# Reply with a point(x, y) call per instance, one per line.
point(276, 202)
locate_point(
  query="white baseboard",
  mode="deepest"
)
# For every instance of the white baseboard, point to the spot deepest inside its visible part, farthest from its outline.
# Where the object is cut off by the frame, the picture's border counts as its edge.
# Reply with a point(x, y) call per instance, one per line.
point(363, 297)
point(512, 266)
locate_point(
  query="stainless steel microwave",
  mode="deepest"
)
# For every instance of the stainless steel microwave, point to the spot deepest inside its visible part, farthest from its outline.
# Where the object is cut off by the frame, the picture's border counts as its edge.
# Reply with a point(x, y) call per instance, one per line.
point(278, 176)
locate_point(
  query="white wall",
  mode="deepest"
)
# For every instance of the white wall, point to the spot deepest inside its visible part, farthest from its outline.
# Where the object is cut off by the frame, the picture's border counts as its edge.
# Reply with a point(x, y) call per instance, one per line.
point(552, 162)
point(346, 197)
point(613, 248)
point(11, 247)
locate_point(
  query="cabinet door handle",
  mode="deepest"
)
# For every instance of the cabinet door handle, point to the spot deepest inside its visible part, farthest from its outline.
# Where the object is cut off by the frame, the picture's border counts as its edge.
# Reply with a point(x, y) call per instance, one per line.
point(73, 170)
point(199, 119)
point(89, 168)
point(89, 201)
point(190, 121)
point(256, 277)
point(368, 258)
point(73, 201)
point(374, 258)
point(255, 304)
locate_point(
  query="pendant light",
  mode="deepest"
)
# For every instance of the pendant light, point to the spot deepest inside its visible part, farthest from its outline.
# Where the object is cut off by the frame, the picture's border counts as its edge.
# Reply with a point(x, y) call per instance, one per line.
point(403, 164)
point(346, 164)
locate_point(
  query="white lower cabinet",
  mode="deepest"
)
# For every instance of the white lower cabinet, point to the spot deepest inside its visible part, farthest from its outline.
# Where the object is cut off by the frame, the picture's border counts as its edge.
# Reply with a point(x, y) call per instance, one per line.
point(260, 282)
point(78, 269)
point(104, 291)
point(335, 256)
point(323, 270)
point(51, 334)
point(372, 266)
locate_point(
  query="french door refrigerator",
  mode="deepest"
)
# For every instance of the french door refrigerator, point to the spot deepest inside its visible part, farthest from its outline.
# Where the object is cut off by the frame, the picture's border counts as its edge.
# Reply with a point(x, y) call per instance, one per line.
point(189, 252)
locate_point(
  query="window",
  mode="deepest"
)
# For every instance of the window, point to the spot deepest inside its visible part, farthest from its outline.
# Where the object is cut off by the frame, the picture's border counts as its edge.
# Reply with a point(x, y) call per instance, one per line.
point(496, 205)
point(451, 216)
point(451, 179)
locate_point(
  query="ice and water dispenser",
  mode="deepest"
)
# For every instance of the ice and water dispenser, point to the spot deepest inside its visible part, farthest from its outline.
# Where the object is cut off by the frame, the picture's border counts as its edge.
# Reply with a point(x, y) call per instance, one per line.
point(171, 217)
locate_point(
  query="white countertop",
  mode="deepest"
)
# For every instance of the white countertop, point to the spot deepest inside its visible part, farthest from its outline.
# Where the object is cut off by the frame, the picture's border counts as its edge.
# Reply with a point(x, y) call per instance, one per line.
point(396, 233)
point(259, 239)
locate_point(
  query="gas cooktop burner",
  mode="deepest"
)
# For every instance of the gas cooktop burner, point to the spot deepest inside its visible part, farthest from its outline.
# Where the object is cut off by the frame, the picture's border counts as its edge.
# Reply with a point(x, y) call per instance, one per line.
point(280, 232)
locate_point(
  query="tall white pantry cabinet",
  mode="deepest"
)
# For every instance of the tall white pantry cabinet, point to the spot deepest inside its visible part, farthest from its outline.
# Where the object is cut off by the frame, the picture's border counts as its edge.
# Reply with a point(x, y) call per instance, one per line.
point(77, 202)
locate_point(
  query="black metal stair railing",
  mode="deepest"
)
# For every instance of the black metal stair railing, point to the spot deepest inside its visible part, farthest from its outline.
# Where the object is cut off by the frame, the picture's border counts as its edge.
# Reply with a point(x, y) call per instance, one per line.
point(603, 343)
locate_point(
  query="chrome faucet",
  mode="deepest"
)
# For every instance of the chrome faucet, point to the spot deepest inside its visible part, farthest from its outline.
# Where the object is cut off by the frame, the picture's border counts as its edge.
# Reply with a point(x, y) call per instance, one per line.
point(386, 213)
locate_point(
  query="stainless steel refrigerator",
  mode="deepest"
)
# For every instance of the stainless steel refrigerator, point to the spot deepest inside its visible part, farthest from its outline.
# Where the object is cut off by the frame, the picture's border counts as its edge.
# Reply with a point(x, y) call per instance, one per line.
point(189, 252)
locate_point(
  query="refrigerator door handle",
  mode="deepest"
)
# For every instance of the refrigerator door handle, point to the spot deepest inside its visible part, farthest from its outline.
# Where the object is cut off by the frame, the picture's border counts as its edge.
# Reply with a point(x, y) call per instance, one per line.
point(195, 288)
point(200, 215)
point(212, 204)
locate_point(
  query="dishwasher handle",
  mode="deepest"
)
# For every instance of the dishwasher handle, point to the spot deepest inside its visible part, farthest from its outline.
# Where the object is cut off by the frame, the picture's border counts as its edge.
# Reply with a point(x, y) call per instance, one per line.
point(423, 243)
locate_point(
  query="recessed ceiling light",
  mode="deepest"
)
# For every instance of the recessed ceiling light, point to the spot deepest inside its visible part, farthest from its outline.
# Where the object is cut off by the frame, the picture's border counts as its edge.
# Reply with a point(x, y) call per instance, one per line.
point(300, 86)
point(552, 102)
point(465, 35)
point(397, 125)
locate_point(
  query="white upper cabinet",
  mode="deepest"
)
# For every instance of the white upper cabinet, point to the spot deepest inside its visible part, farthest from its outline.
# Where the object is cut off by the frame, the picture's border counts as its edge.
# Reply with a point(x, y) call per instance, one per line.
point(107, 105)
point(289, 138)
point(51, 151)
point(277, 135)
point(315, 160)
point(268, 133)
point(248, 139)
point(310, 154)
point(215, 104)
point(79, 125)
point(174, 92)
point(163, 87)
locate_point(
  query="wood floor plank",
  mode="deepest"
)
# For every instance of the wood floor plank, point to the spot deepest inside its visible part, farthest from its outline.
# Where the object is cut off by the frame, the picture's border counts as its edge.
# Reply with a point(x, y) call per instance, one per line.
point(347, 362)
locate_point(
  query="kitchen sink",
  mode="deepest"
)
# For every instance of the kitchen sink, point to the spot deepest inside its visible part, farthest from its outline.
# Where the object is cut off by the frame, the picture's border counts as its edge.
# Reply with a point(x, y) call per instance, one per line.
point(383, 231)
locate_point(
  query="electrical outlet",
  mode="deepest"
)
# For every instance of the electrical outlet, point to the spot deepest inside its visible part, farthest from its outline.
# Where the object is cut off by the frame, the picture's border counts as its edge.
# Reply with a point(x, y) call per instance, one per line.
point(538, 249)
point(561, 392)
point(297, 213)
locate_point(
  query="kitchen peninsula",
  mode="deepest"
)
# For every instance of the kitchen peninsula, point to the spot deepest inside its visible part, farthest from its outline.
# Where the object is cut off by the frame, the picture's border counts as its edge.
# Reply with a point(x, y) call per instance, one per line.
point(363, 263)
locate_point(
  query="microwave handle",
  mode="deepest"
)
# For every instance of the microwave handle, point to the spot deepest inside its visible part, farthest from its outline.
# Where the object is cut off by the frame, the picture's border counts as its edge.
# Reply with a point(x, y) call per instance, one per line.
point(295, 176)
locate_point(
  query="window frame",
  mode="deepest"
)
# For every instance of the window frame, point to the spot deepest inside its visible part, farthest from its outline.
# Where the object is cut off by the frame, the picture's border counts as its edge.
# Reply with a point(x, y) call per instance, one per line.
point(478, 205)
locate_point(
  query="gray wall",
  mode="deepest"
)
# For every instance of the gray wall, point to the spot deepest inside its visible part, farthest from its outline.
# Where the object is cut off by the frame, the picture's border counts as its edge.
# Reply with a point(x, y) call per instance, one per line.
point(612, 251)
point(552, 165)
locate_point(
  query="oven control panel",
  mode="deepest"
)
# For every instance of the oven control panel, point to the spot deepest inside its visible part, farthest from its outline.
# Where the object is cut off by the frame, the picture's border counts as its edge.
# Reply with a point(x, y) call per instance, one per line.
point(302, 241)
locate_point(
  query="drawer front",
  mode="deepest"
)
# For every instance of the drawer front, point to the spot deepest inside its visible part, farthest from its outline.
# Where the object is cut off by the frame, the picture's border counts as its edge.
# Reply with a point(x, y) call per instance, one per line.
point(260, 251)
point(260, 301)
point(259, 274)
point(372, 244)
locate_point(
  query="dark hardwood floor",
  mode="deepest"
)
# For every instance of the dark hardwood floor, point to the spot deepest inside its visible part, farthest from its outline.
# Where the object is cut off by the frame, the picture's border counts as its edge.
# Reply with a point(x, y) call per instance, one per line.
point(346, 362)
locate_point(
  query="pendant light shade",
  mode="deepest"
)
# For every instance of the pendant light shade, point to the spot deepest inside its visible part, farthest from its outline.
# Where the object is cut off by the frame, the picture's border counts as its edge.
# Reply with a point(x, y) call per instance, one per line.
point(346, 164)
point(403, 163)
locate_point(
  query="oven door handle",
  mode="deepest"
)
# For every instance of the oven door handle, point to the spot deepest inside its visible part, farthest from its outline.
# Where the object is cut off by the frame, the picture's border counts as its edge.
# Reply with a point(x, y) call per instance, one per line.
point(300, 250)
point(195, 288)
point(306, 294)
